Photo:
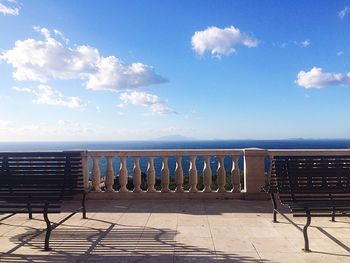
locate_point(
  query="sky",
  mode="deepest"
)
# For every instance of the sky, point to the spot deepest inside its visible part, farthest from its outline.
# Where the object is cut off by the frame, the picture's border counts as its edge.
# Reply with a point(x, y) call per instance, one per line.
point(140, 70)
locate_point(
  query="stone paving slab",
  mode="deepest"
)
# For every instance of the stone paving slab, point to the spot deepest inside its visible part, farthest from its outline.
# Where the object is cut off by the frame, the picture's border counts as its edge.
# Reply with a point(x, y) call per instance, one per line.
point(174, 231)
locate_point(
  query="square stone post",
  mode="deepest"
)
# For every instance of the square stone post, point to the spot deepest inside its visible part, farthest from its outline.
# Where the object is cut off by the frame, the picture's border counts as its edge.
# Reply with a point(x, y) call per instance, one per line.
point(254, 173)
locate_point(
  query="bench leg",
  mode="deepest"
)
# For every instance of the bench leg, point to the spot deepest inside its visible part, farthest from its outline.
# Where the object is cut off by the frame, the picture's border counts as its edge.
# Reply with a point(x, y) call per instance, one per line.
point(274, 205)
point(83, 205)
point(48, 228)
point(333, 215)
point(306, 239)
point(30, 214)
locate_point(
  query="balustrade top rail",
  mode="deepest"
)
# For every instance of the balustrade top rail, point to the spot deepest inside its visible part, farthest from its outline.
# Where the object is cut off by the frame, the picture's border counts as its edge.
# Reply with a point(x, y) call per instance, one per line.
point(166, 152)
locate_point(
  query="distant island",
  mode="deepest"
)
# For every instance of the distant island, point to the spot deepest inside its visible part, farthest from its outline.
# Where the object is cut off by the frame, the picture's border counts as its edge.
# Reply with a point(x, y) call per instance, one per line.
point(175, 137)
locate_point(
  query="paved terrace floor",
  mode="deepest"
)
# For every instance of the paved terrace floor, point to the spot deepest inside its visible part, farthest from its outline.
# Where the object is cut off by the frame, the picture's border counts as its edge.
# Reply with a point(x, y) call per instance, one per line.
point(174, 231)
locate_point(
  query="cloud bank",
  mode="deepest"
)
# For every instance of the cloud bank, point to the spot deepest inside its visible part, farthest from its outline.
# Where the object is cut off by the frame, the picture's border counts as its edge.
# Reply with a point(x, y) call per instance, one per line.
point(45, 94)
point(52, 58)
point(316, 78)
point(221, 42)
point(153, 102)
point(9, 7)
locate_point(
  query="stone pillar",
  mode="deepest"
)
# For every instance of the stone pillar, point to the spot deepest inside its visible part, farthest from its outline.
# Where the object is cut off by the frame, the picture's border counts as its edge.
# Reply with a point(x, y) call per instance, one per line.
point(165, 175)
point(96, 174)
point(221, 174)
point(254, 173)
point(179, 175)
point(123, 175)
point(136, 175)
point(192, 174)
point(207, 174)
point(109, 174)
point(151, 175)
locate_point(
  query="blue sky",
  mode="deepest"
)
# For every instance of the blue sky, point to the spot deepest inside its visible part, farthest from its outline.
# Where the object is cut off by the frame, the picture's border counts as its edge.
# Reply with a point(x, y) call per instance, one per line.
point(134, 70)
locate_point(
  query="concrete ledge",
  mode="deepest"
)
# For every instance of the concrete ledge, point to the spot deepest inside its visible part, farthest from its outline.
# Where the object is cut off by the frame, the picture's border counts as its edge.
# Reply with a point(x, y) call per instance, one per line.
point(163, 196)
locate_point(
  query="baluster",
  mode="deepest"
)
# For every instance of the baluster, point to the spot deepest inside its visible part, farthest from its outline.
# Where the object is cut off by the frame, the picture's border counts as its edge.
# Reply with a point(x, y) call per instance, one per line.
point(136, 175)
point(179, 175)
point(109, 180)
point(165, 175)
point(192, 173)
point(96, 174)
point(207, 173)
point(123, 175)
point(235, 175)
point(221, 174)
point(151, 177)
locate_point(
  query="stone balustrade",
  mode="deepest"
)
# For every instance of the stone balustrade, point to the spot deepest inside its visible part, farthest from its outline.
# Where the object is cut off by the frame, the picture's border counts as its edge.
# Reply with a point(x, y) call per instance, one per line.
point(199, 164)
point(206, 159)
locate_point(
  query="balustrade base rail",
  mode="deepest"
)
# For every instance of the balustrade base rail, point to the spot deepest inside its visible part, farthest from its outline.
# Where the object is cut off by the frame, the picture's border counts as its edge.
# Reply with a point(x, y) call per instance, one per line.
point(173, 195)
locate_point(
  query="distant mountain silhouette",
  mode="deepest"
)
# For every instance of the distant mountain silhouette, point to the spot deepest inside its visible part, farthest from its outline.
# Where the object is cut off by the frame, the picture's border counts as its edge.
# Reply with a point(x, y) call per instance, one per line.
point(175, 137)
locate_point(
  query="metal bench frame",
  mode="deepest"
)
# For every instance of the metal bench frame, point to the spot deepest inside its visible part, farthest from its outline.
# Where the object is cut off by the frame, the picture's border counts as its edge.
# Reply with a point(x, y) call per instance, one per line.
point(311, 186)
point(39, 182)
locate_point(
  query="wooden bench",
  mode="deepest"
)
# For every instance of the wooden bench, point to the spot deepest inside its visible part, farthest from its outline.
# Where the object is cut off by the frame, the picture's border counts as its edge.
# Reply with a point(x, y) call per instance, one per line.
point(311, 186)
point(38, 182)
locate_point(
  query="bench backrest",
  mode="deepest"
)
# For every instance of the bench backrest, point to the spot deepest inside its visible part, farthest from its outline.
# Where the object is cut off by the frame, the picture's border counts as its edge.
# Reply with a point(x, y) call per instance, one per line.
point(50, 176)
point(302, 178)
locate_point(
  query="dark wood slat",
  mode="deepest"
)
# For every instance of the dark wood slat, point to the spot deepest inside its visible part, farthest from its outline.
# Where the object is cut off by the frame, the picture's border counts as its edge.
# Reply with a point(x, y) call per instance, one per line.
point(317, 179)
point(35, 176)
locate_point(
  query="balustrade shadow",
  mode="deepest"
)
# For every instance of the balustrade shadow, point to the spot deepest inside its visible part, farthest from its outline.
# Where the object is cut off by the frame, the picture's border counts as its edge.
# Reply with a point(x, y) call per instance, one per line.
point(185, 206)
point(111, 243)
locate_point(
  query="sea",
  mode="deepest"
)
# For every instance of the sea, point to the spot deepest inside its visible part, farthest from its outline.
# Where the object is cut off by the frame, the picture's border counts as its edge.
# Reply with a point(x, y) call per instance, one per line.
point(186, 144)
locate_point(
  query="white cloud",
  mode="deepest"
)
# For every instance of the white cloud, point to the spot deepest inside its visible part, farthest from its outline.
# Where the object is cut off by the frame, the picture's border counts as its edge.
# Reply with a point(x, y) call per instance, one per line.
point(340, 53)
point(302, 44)
point(9, 8)
point(111, 74)
point(305, 43)
point(60, 34)
point(344, 12)
point(153, 102)
point(316, 78)
point(282, 45)
point(51, 58)
point(47, 95)
point(67, 127)
point(220, 41)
